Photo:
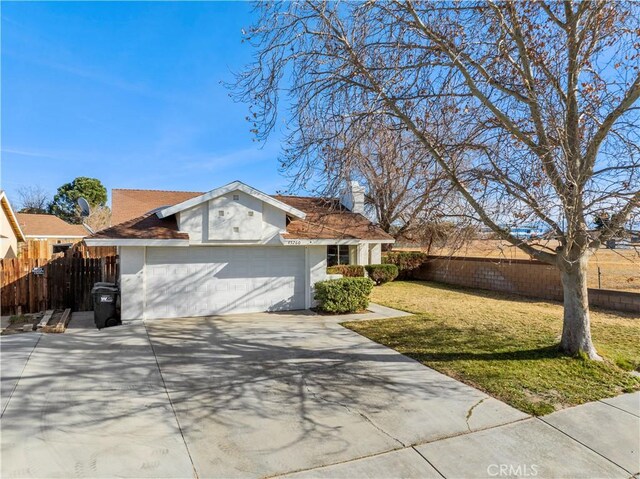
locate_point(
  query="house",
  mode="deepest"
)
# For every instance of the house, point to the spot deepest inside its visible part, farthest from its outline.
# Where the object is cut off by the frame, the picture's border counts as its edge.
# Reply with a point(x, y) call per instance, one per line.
point(46, 235)
point(11, 234)
point(233, 249)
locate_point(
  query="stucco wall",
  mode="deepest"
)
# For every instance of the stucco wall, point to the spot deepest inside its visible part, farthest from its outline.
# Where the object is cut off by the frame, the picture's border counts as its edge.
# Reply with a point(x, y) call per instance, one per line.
point(8, 245)
point(375, 253)
point(362, 254)
point(224, 219)
point(132, 259)
point(317, 269)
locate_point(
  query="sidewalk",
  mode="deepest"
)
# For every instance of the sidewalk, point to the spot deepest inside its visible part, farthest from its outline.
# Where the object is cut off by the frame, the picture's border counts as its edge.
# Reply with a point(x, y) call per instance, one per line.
point(598, 439)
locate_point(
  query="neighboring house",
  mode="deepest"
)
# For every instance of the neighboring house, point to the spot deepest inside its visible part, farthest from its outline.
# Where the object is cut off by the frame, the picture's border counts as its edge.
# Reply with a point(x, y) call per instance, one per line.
point(47, 235)
point(233, 249)
point(11, 234)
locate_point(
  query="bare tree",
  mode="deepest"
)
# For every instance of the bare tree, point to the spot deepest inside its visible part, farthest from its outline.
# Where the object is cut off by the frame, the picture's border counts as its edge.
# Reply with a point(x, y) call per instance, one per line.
point(33, 199)
point(527, 107)
point(404, 187)
point(99, 218)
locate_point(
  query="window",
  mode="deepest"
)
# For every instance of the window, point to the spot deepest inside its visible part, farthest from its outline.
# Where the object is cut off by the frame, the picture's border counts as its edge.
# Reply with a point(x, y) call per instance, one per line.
point(60, 247)
point(236, 197)
point(220, 213)
point(250, 213)
point(337, 254)
point(236, 229)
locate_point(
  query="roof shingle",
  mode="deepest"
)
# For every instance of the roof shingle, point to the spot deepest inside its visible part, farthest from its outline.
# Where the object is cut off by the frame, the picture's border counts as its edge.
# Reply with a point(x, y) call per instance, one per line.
point(328, 219)
point(33, 224)
point(128, 204)
point(148, 226)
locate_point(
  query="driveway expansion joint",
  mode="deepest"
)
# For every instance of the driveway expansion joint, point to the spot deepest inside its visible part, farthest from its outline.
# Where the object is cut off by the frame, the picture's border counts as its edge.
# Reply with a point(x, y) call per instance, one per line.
point(338, 463)
point(428, 462)
point(173, 410)
point(21, 373)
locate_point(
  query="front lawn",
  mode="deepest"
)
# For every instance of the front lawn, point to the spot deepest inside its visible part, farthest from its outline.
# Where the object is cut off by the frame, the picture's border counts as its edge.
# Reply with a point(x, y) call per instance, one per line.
point(506, 345)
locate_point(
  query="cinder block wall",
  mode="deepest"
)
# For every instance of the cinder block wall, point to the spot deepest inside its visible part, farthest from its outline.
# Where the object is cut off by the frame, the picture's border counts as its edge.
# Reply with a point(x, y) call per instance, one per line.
point(616, 300)
point(526, 277)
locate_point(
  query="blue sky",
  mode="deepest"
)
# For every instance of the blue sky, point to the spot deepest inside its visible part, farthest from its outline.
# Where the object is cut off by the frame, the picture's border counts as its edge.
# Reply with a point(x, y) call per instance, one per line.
point(128, 93)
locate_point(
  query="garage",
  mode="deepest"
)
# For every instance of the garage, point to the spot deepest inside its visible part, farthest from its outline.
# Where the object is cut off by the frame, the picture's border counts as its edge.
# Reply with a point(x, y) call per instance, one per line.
point(232, 250)
point(214, 280)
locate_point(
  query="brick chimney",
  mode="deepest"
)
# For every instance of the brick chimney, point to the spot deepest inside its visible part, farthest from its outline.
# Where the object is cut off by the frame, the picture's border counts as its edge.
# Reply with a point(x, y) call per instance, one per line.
point(353, 197)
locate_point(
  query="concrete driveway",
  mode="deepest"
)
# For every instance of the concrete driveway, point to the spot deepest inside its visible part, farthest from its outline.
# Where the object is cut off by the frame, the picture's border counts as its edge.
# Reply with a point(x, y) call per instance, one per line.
point(264, 395)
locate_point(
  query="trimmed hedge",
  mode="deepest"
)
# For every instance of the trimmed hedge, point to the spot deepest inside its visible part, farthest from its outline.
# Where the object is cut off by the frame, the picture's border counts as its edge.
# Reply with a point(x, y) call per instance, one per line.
point(347, 270)
point(407, 262)
point(382, 273)
point(344, 295)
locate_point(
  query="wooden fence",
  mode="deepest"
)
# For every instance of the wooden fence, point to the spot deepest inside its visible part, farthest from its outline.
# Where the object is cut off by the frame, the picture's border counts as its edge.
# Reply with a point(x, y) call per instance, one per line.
point(44, 249)
point(32, 285)
point(82, 250)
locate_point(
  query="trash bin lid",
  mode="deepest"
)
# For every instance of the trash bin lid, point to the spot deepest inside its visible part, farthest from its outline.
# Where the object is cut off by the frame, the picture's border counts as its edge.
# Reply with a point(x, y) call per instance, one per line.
point(104, 289)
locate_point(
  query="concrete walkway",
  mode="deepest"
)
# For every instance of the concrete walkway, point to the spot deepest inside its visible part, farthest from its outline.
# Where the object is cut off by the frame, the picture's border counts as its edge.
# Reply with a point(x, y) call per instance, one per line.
point(290, 394)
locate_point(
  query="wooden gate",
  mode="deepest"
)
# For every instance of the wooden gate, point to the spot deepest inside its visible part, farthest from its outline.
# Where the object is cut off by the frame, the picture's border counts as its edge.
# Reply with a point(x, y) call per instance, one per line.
point(32, 285)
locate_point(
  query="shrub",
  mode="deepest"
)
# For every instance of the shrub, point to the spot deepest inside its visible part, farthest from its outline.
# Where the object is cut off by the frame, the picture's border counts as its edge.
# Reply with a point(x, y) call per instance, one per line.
point(408, 262)
point(347, 270)
point(382, 273)
point(344, 295)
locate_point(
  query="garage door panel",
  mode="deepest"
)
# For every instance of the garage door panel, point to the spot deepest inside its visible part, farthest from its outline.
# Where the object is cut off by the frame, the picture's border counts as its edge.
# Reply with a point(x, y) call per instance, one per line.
point(200, 281)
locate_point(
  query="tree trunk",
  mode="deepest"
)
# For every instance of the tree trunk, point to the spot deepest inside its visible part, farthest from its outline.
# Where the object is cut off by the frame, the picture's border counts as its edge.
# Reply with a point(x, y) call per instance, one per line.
point(576, 328)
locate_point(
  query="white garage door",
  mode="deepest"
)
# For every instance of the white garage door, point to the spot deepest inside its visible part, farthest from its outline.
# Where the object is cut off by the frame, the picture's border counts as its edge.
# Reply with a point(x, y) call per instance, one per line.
point(202, 281)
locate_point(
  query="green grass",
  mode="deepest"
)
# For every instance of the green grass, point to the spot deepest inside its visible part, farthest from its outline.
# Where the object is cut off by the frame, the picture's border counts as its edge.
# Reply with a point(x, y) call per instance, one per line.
point(506, 345)
point(15, 319)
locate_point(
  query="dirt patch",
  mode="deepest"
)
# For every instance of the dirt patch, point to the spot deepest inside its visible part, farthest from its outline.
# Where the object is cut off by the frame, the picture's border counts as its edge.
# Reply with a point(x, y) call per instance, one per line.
point(26, 323)
point(17, 323)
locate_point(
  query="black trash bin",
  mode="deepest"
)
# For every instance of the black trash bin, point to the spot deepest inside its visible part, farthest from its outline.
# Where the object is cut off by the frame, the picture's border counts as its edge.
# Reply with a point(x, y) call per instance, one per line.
point(105, 298)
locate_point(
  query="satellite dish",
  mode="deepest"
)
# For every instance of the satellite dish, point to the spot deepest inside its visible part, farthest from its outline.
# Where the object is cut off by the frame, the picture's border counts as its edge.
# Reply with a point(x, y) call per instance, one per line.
point(85, 210)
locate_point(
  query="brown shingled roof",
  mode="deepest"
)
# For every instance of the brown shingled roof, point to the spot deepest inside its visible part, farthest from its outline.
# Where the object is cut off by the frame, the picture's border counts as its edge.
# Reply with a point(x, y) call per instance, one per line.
point(129, 204)
point(326, 217)
point(48, 225)
point(148, 226)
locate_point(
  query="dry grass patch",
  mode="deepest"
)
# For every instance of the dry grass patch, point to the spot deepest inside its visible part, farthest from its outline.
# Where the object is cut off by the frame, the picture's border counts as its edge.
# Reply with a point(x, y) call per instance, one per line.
point(506, 345)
